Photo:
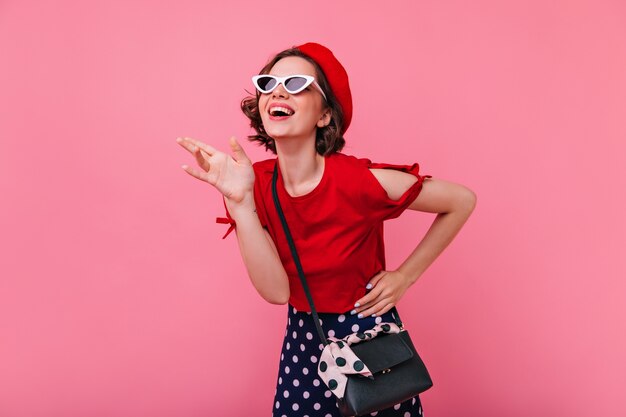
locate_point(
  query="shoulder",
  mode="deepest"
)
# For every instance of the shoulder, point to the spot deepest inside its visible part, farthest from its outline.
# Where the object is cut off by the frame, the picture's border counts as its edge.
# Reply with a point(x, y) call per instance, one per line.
point(266, 165)
point(263, 171)
point(344, 161)
point(362, 171)
point(394, 179)
point(394, 182)
point(374, 167)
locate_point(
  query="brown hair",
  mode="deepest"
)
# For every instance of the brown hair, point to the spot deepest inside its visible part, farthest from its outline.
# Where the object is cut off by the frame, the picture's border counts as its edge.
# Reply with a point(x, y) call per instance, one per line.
point(328, 139)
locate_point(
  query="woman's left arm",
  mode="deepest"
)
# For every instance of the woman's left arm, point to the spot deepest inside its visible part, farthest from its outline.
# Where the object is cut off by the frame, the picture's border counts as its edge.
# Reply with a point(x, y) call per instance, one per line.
point(453, 204)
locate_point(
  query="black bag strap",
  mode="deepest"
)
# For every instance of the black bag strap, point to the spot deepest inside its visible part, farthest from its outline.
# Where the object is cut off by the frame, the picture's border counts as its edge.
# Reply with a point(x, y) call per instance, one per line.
point(296, 259)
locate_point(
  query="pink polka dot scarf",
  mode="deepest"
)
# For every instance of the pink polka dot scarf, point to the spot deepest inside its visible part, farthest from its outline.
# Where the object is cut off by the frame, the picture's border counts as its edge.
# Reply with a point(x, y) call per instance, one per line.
point(338, 360)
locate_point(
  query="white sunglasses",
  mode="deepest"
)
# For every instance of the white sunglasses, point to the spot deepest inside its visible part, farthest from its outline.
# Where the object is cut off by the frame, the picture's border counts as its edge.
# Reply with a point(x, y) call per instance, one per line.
point(293, 84)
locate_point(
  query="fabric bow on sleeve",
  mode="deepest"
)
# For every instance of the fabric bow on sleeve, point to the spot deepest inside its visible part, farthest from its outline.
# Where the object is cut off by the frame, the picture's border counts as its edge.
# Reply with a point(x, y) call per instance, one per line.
point(226, 220)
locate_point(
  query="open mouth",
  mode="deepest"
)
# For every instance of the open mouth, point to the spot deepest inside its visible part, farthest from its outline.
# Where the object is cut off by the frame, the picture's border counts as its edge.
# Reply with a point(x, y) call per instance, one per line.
point(281, 112)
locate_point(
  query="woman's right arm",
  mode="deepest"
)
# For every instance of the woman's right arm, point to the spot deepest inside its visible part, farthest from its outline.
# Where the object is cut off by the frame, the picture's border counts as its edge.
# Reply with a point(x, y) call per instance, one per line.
point(233, 177)
point(259, 253)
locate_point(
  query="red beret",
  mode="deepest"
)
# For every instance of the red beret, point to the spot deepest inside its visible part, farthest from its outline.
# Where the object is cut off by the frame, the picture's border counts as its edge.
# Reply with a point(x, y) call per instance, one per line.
point(335, 74)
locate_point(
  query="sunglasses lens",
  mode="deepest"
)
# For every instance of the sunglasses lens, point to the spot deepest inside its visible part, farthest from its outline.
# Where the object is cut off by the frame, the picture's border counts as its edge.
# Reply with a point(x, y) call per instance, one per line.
point(295, 84)
point(266, 83)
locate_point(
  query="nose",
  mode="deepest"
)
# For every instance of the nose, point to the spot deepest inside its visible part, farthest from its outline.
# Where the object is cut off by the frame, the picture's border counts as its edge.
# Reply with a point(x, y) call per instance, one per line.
point(280, 91)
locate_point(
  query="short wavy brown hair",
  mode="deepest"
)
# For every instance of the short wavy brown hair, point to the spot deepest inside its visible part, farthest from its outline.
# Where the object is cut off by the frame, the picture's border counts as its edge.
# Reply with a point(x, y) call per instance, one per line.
point(328, 139)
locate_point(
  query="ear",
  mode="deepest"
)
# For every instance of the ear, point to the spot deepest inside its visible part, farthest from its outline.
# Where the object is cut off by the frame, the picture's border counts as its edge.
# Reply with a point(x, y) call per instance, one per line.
point(324, 118)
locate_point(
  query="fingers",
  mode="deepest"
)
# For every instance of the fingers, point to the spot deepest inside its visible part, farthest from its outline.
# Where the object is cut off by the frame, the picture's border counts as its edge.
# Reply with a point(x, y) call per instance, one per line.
point(184, 142)
point(378, 309)
point(381, 298)
point(206, 148)
point(189, 143)
point(368, 299)
point(201, 151)
point(238, 153)
point(203, 176)
point(202, 158)
point(375, 279)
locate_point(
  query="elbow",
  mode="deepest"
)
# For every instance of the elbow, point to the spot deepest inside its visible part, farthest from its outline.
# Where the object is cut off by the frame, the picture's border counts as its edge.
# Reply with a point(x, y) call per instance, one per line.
point(277, 297)
point(466, 201)
point(277, 300)
point(472, 200)
point(274, 290)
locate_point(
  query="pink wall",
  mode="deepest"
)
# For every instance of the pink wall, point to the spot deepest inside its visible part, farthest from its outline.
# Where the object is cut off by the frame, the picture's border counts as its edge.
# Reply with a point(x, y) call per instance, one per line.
point(117, 295)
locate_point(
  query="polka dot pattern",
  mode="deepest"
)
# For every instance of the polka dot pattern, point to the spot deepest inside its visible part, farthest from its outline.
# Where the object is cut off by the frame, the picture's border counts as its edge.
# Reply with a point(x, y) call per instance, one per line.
point(332, 384)
point(299, 390)
point(337, 360)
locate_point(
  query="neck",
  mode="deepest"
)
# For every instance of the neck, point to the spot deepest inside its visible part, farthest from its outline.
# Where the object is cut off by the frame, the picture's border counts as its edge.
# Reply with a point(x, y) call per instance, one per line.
point(300, 165)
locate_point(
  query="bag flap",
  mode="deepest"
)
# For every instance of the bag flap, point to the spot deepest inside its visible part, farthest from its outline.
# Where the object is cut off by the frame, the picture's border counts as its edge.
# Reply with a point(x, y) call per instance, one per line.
point(382, 352)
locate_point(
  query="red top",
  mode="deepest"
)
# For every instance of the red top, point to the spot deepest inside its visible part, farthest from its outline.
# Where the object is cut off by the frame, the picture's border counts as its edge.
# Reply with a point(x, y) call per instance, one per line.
point(337, 228)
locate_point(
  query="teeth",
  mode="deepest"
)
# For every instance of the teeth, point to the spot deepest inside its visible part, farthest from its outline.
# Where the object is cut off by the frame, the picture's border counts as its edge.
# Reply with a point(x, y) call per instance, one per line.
point(277, 109)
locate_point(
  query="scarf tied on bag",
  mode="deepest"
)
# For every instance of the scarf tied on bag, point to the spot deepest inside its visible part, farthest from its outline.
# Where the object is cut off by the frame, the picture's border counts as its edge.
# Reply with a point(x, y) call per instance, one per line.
point(338, 360)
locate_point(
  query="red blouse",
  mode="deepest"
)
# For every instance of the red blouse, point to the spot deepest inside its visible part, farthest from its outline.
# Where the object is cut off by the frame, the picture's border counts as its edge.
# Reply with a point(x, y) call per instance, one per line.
point(337, 228)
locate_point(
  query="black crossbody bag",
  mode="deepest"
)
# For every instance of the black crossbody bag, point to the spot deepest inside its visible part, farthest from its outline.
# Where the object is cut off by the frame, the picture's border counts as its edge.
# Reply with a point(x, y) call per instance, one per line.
point(398, 372)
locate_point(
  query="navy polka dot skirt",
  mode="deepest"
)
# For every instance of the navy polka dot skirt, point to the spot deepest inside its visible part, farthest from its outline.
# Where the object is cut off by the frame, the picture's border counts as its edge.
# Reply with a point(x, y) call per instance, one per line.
point(299, 390)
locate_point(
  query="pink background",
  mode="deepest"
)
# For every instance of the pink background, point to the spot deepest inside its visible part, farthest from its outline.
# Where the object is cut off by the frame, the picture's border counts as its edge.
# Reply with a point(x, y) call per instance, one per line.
point(118, 296)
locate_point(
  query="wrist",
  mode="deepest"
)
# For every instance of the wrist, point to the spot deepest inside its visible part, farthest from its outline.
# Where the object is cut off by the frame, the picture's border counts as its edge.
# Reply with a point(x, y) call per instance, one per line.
point(408, 277)
point(244, 206)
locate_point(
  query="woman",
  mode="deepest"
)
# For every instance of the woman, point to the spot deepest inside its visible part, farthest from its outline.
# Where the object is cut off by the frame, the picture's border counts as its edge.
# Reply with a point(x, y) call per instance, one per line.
point(335, 205)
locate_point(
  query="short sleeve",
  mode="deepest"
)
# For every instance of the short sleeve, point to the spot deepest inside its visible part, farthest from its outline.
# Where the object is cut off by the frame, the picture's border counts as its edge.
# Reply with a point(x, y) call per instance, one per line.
point(378, 203)
point(259, 202)
point(226, 220)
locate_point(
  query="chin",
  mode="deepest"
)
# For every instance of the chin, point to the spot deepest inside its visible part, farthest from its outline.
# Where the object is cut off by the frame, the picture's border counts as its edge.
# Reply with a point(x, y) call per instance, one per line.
point(283, 131)
point(277, 133)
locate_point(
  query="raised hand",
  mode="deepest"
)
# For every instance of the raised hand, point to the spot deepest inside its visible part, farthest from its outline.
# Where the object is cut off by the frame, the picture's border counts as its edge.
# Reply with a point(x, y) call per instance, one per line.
point(233, 176)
